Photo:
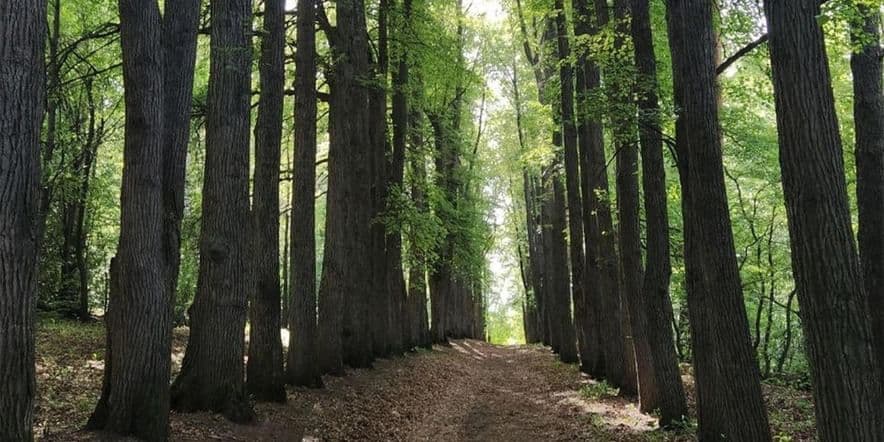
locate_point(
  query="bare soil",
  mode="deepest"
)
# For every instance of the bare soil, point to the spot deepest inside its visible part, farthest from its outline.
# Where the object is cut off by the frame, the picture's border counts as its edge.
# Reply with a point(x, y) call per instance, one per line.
point(466, 391)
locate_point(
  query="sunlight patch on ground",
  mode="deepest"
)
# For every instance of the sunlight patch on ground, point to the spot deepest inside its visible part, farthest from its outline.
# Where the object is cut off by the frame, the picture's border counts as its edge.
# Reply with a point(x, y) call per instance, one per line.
point(612, 413)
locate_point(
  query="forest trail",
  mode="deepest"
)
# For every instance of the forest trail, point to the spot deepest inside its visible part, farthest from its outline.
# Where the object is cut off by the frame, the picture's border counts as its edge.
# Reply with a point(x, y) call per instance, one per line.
point(468, 391)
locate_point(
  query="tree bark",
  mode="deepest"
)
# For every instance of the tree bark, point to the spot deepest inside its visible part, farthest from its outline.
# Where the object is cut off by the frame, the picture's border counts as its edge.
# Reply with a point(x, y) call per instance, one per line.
point(729, 401)
point(303, 359)
point(22, 38)
point(655, 287)
point(828, 277)
point(158, 55)
point(868, 116)
point(212, 375)
point(583, 330)
point(264, 378)
point(345, 288)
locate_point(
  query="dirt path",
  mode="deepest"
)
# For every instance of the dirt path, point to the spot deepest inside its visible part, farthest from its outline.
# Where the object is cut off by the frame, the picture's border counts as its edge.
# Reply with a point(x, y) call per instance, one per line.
point(470, 391)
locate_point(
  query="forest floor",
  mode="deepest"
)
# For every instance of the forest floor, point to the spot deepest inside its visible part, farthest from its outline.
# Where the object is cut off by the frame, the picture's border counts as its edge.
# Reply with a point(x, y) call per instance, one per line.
point(468, 391)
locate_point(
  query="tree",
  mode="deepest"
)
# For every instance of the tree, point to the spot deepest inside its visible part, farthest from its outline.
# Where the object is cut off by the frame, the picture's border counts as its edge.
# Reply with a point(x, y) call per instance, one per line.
point(868, 115)
point(158, 55)
point(585, 338)
point(346, 283)
point(212, 375)
point(264, 370)
point(601, 254)
point(828, 278)
point(655, 287)
point(303, 358)
point(23, 33)
point(729, 402)
point(394, 273)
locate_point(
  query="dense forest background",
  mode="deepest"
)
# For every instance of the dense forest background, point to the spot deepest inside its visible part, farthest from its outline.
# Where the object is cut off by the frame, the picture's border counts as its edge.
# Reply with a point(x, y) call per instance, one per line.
point(83, 173)
point(641, 185)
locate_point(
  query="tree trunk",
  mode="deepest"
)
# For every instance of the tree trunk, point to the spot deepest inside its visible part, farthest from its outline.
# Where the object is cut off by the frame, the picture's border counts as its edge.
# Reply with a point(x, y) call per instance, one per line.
point(385, 341)
point(623, 115)
point(212, 375)
point(180, 23)
point(655, 288)
point(345, 288)
point(583, 330)
point(729, 399)
point(22, 36)
point(868, 113)
point(395, 174)
point(264, 379)
point(837, 326)
point(417, 269)
point(303, 359)
point(589, 134)
point(135, 393)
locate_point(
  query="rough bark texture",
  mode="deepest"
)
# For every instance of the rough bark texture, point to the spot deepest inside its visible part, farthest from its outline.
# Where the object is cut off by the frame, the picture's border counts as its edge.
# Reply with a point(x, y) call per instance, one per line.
point(303, 359)
point(135, 392)
point(868, 116)
point(847, 384)
point(264, 370)
point(22, 36)
point(212, 375)
point(572, 179)
point(729, 399)
point(655, 287)
point(160, 55)
point(346, 284)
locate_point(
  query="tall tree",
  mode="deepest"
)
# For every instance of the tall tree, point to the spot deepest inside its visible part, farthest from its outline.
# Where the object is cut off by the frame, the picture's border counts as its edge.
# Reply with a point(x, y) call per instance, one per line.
point(585, 338)
point(158, 55)
point(385, 341)
point(264, 370)
point(834, 315)
point(395, 176)
point(868, 115)
point(601, 249)
point(346, 283)
point(302, 363)
point(22, 38)
point(729, 402)
point(211, 376)
point(655, 287)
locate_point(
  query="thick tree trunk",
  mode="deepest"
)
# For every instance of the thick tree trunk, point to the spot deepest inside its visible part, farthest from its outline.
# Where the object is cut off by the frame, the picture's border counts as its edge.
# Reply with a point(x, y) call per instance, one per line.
point(264, 378)
point(729, 399)
point(655, 288)
point(837, 326)
point(303, 366)
point(22, 36)
point(212, 375)
point(868, 115)
point(345, 288)
point(139, 332)
point(135, 394)
point(562, 335)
